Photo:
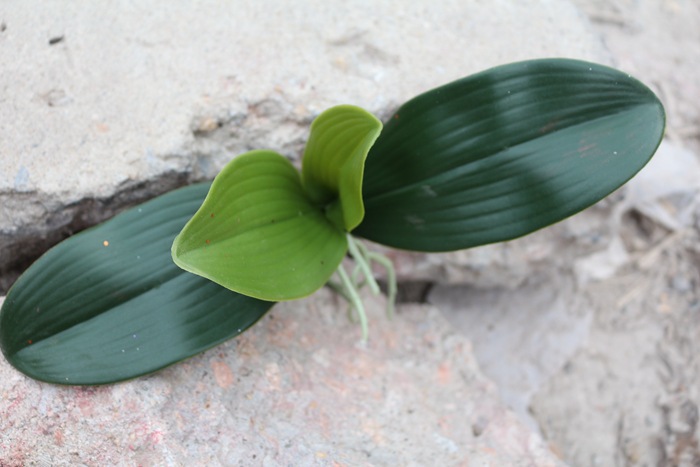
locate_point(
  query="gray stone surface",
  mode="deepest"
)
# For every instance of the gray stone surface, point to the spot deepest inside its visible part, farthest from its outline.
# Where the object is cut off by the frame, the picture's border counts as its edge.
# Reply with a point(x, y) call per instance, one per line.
point(299, 388)
point(109, 103)
point(596, 346)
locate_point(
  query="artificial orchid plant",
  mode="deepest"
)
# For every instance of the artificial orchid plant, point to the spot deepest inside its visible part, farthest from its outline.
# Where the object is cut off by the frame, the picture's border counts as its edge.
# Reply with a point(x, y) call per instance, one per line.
point(487, 158)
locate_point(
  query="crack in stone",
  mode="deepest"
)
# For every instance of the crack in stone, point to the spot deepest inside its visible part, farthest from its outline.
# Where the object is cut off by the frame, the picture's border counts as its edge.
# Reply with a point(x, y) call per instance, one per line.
point(21, 246)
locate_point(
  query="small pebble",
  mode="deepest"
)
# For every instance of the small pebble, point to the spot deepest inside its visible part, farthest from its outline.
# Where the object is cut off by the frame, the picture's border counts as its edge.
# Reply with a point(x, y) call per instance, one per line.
point(207, 125)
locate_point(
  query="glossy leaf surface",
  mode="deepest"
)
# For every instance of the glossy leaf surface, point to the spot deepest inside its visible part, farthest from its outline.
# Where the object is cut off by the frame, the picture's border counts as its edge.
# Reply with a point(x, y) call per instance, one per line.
point(334, 162)
point(108, 304)
point(505, 152)
point(258, 234)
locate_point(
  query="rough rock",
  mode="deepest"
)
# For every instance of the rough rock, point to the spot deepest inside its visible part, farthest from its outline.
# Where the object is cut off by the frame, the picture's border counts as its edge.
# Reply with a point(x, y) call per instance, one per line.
point(521, 336)
point(299, 388)
point(576, 328)
point(107, 104)
point(629, 395)
point(624, 390)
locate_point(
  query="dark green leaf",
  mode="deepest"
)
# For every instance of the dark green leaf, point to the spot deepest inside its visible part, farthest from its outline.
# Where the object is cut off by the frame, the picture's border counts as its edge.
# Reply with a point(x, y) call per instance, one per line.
point(505, 152)
point(109, 304)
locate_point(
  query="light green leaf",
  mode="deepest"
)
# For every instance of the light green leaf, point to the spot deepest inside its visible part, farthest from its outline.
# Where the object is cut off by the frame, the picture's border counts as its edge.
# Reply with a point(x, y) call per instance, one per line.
point(334, 162)
point(258, 234)
point(505, 152)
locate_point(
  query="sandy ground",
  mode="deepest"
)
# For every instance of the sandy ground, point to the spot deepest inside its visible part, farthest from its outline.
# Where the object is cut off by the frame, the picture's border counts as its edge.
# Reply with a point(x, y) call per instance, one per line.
point(601, 355)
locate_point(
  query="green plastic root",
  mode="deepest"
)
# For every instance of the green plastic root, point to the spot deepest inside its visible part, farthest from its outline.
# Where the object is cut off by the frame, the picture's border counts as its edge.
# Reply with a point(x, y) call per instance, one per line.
point(350, 284)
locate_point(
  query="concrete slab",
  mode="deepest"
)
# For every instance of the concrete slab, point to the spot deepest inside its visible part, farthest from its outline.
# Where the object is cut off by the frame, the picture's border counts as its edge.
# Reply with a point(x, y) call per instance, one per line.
point(299, 388)
point(106, 104)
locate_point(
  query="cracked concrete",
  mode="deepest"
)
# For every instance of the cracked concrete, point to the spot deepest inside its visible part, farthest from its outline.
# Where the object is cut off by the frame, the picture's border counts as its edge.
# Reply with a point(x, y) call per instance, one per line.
point(107, 104)
point(100, 100)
